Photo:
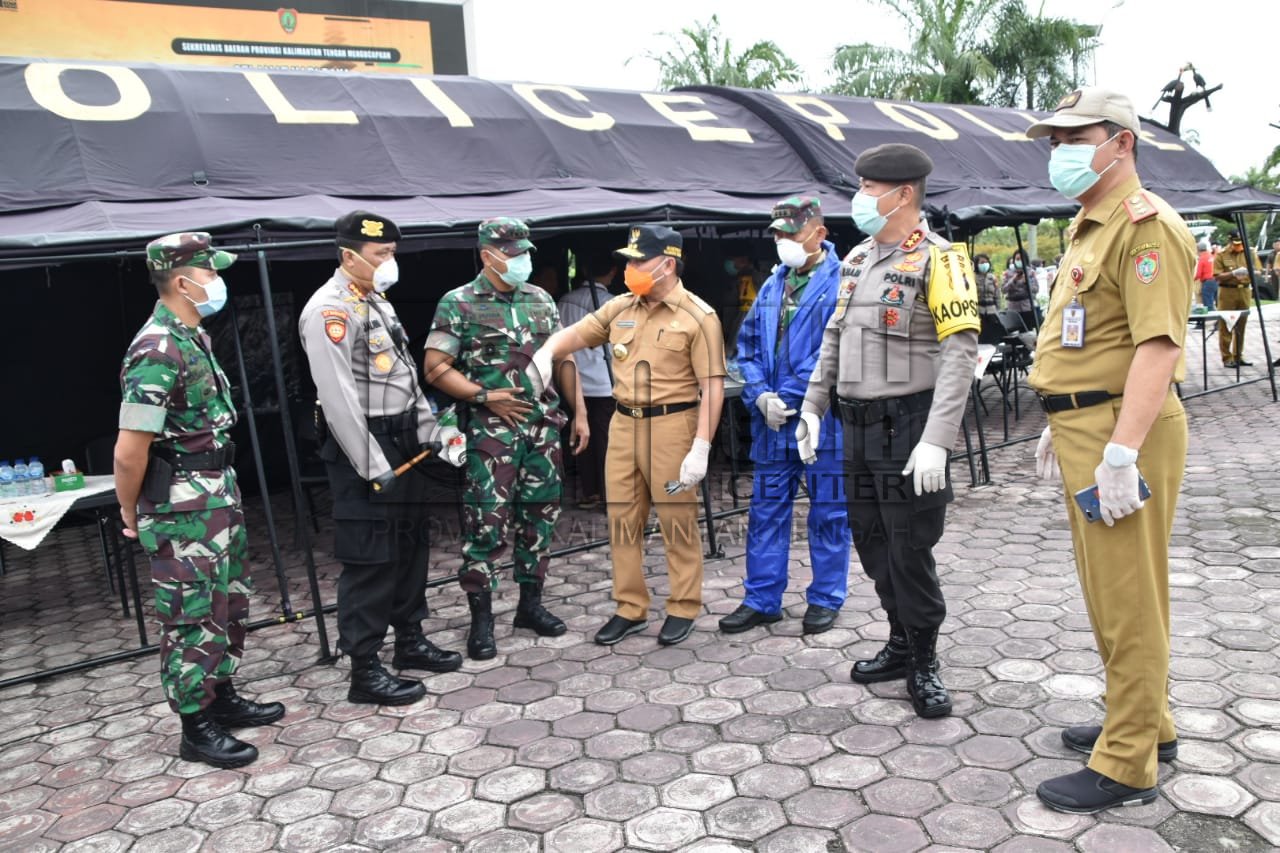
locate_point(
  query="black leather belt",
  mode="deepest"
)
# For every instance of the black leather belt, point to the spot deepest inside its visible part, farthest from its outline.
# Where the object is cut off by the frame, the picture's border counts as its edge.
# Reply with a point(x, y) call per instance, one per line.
point(1232, 285)
point(861, 412)
point(391, 424)
point(653, 411)
point(1078, 400)
point(210, 460)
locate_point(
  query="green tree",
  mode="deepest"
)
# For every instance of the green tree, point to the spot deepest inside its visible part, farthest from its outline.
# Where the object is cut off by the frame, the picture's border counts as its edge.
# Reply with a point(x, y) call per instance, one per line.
point(945, 62)
point(702, 56)
point(1037, 60)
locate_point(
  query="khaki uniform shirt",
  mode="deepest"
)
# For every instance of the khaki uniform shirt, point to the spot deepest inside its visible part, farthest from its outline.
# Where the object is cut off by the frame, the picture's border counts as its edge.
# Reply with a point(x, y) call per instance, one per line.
point(660, 349)
point(1131, 263)
point(359, 369)
point(882, 341)
point(1225, 262)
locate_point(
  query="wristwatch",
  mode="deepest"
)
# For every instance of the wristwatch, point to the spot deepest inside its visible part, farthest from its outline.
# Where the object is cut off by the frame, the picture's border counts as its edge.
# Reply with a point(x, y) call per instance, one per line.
point(482, 395)
point(1119, 456)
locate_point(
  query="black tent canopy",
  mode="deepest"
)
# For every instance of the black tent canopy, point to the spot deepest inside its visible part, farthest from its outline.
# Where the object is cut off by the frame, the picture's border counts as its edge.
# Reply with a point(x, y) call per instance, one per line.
point(108, 155)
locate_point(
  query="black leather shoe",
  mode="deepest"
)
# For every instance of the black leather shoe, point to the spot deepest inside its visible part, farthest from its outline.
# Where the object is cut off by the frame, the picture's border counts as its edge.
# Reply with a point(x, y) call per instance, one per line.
point(1242, 363)
point(232, 711)
point(205, 741)
point(1087, 791)
point(617, 628)
point(929, 696)
point(414, 651)
point(818, 619)
point(744, 619)
point(373, 685)
point(1229, 364)
point(890, 663)
point(531, 614)
point(675, 630)
point(480, 643)
point(1082, 739)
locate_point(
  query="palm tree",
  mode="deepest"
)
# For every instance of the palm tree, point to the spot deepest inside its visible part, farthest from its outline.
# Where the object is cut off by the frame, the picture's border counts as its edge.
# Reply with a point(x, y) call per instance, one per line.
point(703, 57)
point(1037, 59)
point(943, 64)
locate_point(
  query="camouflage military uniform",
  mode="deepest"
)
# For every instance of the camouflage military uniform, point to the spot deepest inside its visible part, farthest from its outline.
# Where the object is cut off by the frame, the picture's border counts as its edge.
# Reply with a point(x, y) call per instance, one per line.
point(172, 386)
point(513, 475)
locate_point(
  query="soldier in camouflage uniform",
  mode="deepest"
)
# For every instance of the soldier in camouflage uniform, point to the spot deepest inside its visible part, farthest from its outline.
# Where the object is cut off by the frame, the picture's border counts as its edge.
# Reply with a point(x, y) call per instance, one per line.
point(378, 420)
point(481, 343)
point(178, 496)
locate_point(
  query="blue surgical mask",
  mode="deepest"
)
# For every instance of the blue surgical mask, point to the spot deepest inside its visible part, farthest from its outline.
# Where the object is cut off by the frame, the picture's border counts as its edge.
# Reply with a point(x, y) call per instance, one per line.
point(518, 270)
point(1071, 168)
point(983, 266)
point(215, 296)
point(866, 213)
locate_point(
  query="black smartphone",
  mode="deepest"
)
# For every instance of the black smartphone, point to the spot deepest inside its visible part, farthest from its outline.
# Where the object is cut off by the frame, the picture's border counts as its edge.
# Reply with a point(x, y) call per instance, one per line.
point(1087, 499)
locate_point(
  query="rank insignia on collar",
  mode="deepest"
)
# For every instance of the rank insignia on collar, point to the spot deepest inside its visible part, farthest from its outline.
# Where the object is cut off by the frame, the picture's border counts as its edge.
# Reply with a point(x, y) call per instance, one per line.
point(913, 240)
point(1147, 266)
point(1077, 274)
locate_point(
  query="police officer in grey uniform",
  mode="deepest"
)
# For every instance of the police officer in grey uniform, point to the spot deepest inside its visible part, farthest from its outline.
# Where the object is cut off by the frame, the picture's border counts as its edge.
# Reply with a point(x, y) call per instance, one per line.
point(378, 420)
point(896, 363)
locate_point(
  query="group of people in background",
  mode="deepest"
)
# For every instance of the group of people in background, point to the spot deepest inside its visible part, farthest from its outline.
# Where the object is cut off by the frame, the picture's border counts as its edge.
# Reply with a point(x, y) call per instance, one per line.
point(857, 372)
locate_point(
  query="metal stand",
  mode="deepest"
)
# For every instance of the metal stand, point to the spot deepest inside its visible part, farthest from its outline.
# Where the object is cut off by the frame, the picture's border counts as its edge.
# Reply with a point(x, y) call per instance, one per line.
point(1262, 324)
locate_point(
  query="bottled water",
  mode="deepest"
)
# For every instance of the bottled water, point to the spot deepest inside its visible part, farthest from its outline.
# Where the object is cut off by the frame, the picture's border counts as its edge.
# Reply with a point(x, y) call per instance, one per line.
point(7, 487)
point(35, 477)
point(20, 473)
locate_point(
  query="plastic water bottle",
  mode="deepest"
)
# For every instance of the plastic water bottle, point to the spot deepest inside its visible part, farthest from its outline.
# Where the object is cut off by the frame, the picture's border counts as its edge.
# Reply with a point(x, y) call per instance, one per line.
point(6, 480)
point(20, 473)
point(35, 477)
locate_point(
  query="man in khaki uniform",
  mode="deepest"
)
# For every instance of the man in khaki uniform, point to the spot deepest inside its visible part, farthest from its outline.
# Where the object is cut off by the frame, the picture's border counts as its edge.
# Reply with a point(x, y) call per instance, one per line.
point(668, 370)
point(1234, 294)
point(1109, 349)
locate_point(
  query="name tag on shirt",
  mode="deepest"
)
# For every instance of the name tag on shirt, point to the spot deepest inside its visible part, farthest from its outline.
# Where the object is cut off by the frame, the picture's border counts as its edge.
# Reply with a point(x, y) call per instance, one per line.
point(1073, 326)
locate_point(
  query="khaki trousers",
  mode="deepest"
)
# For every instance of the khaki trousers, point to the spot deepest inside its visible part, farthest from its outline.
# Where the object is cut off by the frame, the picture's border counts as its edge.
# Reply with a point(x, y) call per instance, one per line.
point(1231, 341)
point(1124, 574)
point(644, 454)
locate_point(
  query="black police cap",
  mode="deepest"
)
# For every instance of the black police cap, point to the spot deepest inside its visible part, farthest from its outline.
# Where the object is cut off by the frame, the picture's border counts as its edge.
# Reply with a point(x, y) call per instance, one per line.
point(650, 241)
point(893, 162)
point(361, 226)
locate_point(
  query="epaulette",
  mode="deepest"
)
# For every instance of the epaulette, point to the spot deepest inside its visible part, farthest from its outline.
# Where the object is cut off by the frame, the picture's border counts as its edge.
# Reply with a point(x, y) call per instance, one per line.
point(938, 240)
point(1139, 207)
point(698, 300)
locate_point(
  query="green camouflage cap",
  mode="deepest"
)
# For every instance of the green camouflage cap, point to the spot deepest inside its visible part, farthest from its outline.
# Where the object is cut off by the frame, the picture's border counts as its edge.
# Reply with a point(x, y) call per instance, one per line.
point(186, 249)
point(506, 234)
point(792, 214)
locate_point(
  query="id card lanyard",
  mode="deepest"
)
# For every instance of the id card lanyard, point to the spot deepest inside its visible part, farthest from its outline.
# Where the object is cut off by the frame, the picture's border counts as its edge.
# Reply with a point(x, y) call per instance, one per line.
point(1073, 320)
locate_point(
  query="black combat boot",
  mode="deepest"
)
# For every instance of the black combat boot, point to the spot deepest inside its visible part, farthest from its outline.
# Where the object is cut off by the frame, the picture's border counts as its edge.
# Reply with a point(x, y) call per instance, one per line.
point(414, 651)
point(890, 662)
point(373, 685)
point(205, 741)
point(531, 614)
point(232, 711)
point(480, 644)
point(928, 696)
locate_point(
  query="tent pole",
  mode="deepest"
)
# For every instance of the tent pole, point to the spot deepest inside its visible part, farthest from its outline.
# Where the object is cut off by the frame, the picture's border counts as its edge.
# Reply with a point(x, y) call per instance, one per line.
point(291, 451)
point(286, 606)
point(1253, 289)
point(1026, 270)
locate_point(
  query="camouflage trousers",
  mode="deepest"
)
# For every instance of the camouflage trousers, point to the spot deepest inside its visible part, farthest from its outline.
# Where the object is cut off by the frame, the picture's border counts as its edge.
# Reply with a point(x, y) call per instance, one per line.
point(513, 481)
point(198, 565)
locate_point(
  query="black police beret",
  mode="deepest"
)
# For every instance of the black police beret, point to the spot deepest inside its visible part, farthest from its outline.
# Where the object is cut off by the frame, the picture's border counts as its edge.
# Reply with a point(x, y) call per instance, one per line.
point(893, 161)
point(361, 226)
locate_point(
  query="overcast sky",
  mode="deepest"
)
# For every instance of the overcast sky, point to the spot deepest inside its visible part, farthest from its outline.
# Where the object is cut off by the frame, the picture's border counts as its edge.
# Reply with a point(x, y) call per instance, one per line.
point(602, 44)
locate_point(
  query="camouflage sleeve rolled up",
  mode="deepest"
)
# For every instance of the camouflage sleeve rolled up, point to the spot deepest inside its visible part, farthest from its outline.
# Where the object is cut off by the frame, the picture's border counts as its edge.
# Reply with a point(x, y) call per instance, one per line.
point(146, 383)
point(446, 333)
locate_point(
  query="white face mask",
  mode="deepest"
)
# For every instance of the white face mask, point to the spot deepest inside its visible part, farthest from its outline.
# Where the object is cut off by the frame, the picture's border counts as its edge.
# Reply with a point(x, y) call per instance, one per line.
point(386, 275)
point(791, 253)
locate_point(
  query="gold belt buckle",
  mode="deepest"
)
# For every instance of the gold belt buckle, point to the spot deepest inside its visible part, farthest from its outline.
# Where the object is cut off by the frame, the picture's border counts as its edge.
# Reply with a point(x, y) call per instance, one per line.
point(635, 411)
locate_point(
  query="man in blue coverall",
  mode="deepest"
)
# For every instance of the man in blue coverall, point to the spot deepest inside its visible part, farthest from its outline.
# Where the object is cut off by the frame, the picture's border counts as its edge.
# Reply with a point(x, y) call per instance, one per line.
point(778, 345)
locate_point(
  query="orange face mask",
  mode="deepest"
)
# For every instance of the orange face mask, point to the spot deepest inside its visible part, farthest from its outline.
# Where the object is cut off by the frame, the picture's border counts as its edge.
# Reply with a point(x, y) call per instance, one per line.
point(638, 281)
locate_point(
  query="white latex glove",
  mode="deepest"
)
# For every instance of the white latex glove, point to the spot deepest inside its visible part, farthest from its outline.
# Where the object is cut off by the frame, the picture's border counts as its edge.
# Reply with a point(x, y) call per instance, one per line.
point(539, 370)
point(1046, 459)
point(774, 410)
point(928, 465)
point(694, 466)
point(453, 446)
point(808, 433)
point(1117, 492)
